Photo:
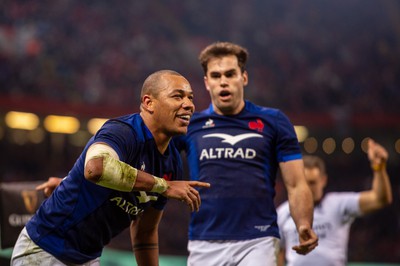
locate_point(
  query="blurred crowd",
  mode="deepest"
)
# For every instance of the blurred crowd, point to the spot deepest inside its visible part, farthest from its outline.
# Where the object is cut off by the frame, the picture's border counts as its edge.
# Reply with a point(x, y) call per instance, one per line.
point(318, 56)
point(305, 55)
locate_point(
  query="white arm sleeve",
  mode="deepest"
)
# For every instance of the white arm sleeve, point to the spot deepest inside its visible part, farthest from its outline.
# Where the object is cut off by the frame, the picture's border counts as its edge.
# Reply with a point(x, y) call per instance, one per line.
point(99, 148)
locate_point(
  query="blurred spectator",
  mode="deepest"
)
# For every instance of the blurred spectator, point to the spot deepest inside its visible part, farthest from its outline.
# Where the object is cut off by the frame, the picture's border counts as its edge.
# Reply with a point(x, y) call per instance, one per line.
point(341, 53)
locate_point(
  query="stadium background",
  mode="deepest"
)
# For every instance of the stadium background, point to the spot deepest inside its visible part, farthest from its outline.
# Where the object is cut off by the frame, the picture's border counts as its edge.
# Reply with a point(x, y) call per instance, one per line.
point(332, 66)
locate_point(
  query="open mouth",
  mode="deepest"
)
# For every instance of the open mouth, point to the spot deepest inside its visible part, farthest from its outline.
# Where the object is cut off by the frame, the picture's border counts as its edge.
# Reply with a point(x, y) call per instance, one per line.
point(224, 93)
point(184, 117)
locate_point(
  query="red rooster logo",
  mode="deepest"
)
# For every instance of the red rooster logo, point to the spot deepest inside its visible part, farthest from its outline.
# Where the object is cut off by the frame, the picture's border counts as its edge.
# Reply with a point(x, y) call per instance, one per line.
point(257, 125)
point(167, 177)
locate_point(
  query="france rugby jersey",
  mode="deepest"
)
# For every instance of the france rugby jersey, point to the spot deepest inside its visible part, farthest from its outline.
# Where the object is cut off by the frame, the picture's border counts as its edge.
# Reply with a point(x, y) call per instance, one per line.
point(80, 217)
point(239, 156)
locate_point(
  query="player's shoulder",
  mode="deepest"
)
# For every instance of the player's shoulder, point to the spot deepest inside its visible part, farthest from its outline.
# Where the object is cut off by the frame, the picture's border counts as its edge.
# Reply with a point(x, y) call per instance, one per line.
point(254, 108)
point(336, 194)
point(266, 113)
point(115, 125)
point(129, 128)
point(331, 198)
point(126, 121)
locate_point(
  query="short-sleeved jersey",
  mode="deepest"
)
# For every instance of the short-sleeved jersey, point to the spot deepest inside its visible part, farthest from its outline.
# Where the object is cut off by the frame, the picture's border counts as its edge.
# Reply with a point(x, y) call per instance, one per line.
point(333, 217)
point(80, 217)
point(239, 156)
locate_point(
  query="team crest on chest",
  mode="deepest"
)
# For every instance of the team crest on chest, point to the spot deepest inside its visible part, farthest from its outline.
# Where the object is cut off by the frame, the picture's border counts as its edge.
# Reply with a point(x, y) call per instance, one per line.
point(257, 125)
point(209, 123)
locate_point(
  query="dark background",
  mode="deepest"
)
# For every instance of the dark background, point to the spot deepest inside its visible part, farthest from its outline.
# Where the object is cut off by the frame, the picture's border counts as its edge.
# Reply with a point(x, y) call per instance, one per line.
point(332, 66)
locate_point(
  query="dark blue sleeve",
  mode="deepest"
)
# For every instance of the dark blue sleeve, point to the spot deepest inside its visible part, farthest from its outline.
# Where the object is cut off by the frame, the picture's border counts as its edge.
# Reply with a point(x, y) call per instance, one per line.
point(288, 147)
point(119, 136)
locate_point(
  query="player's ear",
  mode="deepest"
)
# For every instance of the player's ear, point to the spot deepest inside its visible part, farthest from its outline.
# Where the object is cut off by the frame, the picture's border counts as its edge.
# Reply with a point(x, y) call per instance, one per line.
point(245, 77)
point(148, 103)
point(324, 179)
point(206, 83)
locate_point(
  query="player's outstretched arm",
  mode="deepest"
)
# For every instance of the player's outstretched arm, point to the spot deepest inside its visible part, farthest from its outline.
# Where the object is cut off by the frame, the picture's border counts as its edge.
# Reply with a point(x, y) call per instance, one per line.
point(104, 168)
point(380, 194)
point(300, 204)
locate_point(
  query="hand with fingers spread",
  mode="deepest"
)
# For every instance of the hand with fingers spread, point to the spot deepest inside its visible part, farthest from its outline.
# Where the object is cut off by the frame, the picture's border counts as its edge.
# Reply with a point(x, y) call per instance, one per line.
point(308, 241)
point(185, 191)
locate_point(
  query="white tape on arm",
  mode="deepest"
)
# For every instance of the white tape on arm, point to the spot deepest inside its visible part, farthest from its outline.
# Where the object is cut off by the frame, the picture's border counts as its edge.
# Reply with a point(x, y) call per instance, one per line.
point(115, 174)
point(97, 149)
point(160, 185)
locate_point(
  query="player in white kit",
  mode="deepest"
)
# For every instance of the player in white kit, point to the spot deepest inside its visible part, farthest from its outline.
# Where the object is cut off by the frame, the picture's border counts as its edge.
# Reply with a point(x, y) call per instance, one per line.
point(334, 212)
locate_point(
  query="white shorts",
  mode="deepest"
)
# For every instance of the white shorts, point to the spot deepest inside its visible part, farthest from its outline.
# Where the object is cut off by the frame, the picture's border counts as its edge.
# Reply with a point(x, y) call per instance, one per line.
point(27, 253)
point(255, 252)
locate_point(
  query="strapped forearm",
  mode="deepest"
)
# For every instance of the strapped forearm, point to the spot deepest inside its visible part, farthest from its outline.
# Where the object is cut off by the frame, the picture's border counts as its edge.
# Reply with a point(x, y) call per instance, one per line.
point(117, 175)
point(121, 176)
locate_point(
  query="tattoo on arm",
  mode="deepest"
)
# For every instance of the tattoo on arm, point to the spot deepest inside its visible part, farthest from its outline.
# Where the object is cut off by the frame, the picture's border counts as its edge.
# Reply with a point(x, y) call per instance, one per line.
point(146, 246)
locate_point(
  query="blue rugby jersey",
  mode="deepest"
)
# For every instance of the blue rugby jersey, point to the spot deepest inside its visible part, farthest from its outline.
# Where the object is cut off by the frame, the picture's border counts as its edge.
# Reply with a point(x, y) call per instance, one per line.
point(80, 217)
point(239, 155)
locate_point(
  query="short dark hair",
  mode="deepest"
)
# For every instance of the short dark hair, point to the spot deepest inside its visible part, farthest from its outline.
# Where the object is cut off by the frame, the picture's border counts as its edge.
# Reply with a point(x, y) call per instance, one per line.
point(152, 83)
point(219, 49)
point(312, 161)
